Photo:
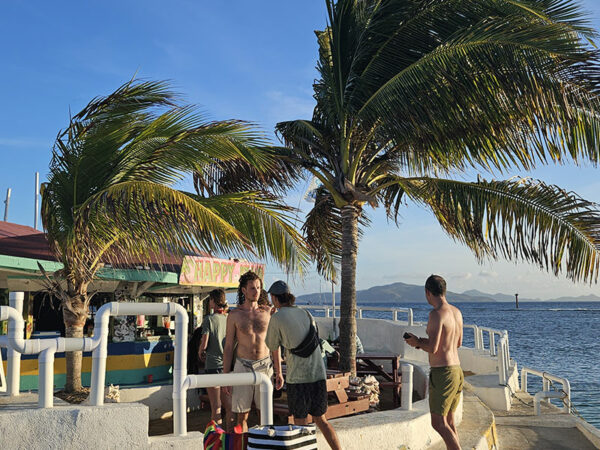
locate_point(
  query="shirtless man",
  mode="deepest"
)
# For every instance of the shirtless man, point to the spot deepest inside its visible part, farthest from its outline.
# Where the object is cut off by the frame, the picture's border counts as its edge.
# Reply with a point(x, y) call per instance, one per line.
point(446, 378)
point(247, 326)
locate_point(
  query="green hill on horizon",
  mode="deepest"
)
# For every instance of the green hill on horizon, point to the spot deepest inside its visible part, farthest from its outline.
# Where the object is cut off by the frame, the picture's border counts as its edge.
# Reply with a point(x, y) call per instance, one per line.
point(409, 293)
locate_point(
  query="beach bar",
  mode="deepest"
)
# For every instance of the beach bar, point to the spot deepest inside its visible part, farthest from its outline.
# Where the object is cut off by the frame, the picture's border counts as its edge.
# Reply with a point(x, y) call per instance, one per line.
point(140, 348)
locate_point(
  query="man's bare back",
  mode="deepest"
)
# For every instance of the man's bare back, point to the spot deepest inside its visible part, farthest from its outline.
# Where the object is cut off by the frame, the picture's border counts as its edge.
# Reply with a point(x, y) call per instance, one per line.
point(446, 377)
point(250, 323)
point(445, 329)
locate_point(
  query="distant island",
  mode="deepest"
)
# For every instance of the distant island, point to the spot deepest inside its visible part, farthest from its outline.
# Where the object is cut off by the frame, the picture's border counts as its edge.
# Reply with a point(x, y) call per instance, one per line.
point(410, 293)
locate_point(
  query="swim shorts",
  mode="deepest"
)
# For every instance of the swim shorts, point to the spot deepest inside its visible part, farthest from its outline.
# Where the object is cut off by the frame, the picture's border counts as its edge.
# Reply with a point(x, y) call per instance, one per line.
point(445, 387)
point(241, 396)
point(307, 398)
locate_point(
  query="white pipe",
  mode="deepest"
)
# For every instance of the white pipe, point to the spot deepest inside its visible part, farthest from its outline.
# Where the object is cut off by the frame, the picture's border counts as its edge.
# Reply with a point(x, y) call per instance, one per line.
point(179, 365)
point(180, 370)
point(544, 395)
point(99, 354)
point(407, 387)
point(13, 360)
point(239, 379)
point(46, 378)
point(46, 348)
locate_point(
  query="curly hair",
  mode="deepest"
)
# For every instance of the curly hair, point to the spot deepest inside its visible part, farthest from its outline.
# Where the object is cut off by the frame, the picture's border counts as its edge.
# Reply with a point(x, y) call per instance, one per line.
point(218, 296)
point(263, 300)
point(244, 279)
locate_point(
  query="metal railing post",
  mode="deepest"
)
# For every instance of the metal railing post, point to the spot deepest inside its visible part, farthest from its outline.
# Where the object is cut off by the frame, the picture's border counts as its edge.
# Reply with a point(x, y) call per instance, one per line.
point(546, 394)
point(501, 363)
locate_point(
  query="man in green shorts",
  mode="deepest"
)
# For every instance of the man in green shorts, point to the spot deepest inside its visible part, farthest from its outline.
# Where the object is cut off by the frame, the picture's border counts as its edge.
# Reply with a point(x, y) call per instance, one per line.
point(446, 378)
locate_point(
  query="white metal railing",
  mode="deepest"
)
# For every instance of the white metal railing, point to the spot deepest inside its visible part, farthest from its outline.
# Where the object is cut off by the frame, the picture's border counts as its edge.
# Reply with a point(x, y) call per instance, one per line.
point(46, 349)
point(328, 311)
point(492, 333)
point(476, 335)
point(497, 348)
point(503, 360)
point(479, 341)
point(546, 393)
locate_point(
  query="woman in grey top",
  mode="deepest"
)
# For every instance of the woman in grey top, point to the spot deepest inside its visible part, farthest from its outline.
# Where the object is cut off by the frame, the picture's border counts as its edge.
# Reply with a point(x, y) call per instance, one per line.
point(211, 348)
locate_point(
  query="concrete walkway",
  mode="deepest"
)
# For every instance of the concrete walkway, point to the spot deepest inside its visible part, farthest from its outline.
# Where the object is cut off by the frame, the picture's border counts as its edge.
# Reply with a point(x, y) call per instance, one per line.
point(477, 429)
point(517, 429)
point(520, 429)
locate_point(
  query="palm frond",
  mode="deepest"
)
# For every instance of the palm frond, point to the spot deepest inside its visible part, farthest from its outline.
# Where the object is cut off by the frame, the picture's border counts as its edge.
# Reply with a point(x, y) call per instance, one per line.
point(109, 196)
point(265, 222)
point(517, 219)
point(238, 175)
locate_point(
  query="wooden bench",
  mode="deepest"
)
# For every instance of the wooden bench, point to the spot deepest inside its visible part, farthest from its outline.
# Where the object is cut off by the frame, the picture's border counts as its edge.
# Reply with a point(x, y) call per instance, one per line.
point(366, 365)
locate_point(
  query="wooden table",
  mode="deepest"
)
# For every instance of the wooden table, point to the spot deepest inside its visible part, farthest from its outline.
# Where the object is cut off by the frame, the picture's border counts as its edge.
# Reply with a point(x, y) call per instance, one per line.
point(365, 365)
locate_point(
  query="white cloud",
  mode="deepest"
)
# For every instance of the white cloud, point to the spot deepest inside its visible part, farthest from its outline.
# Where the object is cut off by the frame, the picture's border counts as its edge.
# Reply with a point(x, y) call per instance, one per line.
point(462, 276)
point(488, 274)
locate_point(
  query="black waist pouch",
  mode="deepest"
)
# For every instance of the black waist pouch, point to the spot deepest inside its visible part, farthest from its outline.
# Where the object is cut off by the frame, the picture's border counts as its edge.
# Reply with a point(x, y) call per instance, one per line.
point(309, 344)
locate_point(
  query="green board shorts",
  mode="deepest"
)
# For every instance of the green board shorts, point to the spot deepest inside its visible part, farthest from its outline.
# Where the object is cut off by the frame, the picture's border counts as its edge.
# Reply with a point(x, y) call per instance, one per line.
point(445, 386)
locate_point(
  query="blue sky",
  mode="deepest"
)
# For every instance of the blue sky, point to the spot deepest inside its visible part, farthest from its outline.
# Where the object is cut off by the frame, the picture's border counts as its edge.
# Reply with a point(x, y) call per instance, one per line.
point(236, 59)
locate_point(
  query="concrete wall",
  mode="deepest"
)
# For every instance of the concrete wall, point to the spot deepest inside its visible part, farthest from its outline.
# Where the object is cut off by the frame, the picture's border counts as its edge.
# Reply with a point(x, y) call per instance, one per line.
point(158, 399)
point(485, 383)
point(381, 336)
point(388, 429)
point(477, 361)
point(385, 336)
point(75, 427)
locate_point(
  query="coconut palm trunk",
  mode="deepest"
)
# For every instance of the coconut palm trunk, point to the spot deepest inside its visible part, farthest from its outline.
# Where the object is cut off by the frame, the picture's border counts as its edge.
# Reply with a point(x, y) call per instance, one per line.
point(75, 311)
point(350, 214)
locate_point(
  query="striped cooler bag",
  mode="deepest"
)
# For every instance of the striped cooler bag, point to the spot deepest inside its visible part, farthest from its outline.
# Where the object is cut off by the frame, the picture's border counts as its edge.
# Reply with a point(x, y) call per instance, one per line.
point(283, 437)
point(215, 438)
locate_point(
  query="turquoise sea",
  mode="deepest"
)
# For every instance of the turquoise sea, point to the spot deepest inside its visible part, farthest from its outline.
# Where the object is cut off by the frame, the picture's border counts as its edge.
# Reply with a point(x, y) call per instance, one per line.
point(560, 338)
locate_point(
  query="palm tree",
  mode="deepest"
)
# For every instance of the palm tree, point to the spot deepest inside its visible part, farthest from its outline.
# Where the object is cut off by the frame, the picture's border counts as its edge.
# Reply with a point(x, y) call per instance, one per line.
point(411, 93)
point(111, 195)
